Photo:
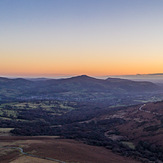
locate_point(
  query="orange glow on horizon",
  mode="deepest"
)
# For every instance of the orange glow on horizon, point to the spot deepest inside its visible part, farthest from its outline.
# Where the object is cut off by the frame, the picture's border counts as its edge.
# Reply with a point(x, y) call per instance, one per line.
point(55, 38)
point(94, 63)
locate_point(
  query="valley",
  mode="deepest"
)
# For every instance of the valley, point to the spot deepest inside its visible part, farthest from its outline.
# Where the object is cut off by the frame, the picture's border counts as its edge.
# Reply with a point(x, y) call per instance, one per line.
point(134, 132)
point(125, 126)
point(81, 81)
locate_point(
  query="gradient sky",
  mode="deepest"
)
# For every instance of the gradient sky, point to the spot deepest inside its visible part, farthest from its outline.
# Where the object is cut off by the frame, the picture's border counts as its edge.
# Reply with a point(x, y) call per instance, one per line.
point(73, 37)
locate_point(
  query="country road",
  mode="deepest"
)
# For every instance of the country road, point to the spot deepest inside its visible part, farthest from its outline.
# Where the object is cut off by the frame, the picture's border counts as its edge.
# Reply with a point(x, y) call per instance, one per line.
point(31, 155)
point(147, 111)
point(140, 108)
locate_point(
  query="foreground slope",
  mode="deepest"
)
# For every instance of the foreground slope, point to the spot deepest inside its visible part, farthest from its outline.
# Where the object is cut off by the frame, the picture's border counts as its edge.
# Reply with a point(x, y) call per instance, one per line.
point(133, 131)
point(64, 150)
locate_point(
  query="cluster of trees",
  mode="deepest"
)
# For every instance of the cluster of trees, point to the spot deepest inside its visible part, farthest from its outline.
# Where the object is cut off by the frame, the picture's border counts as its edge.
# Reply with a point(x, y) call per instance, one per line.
point(33, 114)
point(150, 151)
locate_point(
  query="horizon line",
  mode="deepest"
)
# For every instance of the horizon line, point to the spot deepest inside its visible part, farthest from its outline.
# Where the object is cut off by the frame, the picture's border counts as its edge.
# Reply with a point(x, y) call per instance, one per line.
point(73, 75)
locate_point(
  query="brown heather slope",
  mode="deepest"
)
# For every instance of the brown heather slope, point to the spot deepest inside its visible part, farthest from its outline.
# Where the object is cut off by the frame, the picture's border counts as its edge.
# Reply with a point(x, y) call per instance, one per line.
point(142, 123)
point(61, 149)
point(28, 159)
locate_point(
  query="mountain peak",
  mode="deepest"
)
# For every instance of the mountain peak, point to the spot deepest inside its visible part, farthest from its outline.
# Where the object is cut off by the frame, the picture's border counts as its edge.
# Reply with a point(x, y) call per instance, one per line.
point(82, 77)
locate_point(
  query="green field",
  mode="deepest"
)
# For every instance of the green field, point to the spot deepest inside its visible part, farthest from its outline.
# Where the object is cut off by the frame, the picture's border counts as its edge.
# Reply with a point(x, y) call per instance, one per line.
point(13, 110)
point(129, 144)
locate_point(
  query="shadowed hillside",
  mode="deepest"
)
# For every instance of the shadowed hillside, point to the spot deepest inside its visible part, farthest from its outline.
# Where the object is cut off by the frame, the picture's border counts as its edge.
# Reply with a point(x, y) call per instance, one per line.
point(79, 88)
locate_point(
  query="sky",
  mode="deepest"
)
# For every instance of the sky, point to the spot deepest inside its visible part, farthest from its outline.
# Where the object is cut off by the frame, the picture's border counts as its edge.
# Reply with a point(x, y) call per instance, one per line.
point(74, 37)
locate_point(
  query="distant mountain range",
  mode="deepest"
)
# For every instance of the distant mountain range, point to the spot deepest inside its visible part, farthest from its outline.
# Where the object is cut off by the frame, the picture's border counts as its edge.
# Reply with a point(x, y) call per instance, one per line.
point(159, 74)
point(75, 88)
point(154, 78)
